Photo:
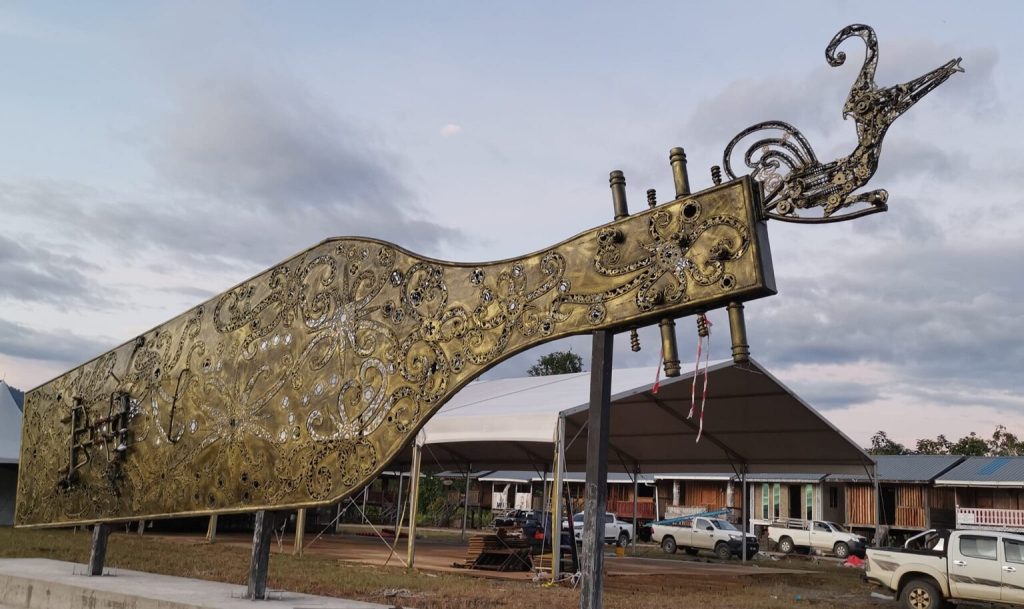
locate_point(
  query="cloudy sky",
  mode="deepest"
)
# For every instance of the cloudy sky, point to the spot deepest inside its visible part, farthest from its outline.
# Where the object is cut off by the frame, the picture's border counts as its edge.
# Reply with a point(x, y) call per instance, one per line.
point(153, 154)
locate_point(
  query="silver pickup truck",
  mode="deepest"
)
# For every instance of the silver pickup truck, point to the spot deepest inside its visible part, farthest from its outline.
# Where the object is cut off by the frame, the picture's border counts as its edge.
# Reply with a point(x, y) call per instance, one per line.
point(986, 566)
point(714, 534)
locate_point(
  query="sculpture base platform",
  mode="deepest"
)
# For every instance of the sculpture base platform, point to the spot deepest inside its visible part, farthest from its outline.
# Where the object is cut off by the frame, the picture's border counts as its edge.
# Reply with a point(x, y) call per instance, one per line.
point(39, 583)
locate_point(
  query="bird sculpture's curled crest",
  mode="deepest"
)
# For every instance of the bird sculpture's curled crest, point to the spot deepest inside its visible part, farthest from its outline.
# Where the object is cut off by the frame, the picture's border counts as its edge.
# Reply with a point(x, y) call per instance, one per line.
point(791, 175)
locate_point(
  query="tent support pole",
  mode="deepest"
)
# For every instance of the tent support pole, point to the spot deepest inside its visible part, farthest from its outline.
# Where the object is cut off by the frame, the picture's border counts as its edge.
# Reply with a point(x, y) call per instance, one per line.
point(211, 529)
point(465, 503)
point(300, 531)
point(592, 586)
point(414, 501)
point(743, 506)
point(556, 500)
point(636, 489)
point(398, 505)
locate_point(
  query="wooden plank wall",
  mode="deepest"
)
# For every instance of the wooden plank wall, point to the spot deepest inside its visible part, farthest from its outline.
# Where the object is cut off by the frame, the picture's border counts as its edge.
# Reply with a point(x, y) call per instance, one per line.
point(941, 498)
point(705, 493)
point(860, 504)
point(997, 498)
point(910, 512)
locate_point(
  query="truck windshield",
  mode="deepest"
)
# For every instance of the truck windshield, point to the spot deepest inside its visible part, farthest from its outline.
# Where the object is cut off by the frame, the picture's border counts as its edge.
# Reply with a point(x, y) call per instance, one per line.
point(837, 527)
point(724, 525)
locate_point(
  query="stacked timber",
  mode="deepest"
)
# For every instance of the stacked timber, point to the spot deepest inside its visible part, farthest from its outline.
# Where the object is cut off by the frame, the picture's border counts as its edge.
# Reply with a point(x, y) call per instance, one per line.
point(496, 552)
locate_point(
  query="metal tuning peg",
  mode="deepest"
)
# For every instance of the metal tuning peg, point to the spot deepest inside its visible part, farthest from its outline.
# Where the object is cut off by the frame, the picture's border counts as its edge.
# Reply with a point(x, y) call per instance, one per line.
point(738, 332)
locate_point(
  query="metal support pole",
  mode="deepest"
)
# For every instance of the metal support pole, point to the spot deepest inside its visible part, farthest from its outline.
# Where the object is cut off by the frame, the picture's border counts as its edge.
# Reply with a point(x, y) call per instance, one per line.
point(556, 500)
point(465, 503)
point(300, 531)
point(592, 585)
point(636, 489)
point(398, 504)
point(743, 506)
point(98, 551)
point(414, 501)
point(211, 530)
point(259, 562)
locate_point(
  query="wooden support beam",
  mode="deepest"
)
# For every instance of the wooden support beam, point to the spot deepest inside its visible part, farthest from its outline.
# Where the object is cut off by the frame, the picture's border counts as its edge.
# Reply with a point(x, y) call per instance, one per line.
point(260, 561)
point(98, 551)
point(592, 585)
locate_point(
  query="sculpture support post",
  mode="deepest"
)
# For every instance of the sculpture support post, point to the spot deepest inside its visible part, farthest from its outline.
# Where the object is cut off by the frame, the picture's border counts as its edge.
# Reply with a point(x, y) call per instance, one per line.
point(260, 560)
point(591, 590)
point(98, 552)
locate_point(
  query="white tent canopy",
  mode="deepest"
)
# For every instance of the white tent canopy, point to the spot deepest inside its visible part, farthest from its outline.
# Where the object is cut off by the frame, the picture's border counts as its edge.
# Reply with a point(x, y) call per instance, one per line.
point(10, 426)
point(752, 421)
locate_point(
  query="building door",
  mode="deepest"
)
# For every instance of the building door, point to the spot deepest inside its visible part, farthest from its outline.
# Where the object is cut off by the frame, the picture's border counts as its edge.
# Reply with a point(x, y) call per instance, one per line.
point(888, 505)
point(796, 502)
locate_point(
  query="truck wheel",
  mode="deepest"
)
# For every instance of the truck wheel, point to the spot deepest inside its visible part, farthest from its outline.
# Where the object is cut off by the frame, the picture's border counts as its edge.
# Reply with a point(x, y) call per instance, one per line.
point(668, 545)
point(623, 540)
point(921, 594)
point(692, 551)
point(841, 550)
point(722, 551)
point(785, 545)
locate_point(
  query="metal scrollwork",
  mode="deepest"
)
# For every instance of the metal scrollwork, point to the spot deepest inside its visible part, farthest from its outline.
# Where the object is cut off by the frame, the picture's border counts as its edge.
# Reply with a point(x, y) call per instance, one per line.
point(792, 178)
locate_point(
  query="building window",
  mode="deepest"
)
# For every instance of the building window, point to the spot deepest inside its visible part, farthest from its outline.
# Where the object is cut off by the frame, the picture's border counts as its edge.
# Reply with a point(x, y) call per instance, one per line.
point(776, 500)
point(809, 502)
point(833, 497)
point(764, 502)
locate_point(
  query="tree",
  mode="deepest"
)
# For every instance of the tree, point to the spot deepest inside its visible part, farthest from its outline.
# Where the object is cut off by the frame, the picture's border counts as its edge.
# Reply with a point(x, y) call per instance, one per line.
point(882, 444)
point(972, 445)
point(557, 362)
point(1004, 443)
point(939, 446)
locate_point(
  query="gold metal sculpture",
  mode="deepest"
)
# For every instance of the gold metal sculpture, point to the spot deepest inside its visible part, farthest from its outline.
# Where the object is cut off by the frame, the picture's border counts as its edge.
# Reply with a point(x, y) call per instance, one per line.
point(297, 386)
point(804, 182)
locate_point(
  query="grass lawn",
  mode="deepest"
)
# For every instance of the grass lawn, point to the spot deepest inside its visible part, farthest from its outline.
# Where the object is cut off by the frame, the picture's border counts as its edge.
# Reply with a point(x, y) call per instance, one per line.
point(823, 586)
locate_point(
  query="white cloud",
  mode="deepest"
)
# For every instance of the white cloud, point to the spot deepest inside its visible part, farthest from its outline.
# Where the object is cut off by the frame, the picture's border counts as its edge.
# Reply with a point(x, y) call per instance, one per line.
point(451, 129)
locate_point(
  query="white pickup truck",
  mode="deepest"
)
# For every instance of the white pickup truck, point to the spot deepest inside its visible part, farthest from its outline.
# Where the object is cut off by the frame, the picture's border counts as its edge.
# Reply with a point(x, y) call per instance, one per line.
point(714, 534)
point(986, 566)
point(819, 535)
point(615, 530)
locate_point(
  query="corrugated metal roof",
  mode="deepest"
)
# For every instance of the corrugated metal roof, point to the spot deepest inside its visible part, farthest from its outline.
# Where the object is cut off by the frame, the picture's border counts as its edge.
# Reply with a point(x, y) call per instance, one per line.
point(985, 471)
point(807, 478)
point(906, 468)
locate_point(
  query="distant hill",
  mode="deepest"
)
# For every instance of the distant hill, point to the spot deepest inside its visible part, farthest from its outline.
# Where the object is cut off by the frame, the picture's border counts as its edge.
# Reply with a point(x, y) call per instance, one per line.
point(19, 397)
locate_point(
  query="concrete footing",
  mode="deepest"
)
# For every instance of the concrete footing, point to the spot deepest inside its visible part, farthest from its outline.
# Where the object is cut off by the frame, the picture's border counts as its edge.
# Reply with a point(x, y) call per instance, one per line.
point(39, 583)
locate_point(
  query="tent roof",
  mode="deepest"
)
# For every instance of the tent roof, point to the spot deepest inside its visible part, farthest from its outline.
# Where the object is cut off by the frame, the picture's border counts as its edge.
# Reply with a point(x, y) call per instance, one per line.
point(10, 426)
point(751, 419)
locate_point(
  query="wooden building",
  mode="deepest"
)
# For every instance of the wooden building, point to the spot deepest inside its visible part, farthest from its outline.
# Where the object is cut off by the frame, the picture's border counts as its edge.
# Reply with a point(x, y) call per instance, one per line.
point(986, 491)
point(908, 499)
point(682, 494)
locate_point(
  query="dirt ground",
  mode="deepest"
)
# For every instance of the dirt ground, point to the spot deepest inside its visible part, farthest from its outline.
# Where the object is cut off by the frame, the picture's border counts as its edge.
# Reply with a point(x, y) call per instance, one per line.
point(351, 566)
